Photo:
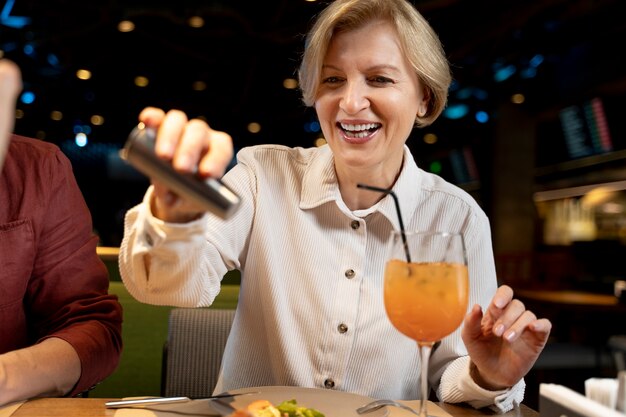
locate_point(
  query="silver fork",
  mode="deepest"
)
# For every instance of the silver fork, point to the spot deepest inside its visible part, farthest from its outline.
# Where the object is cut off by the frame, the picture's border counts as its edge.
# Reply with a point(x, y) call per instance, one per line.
point(378, 404)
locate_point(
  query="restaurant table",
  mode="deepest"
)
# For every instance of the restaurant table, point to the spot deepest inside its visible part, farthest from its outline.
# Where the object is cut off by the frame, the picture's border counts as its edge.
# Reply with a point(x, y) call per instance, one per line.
point(579, 316)
point(582, 299)
point(94, 407)
point(582, 324)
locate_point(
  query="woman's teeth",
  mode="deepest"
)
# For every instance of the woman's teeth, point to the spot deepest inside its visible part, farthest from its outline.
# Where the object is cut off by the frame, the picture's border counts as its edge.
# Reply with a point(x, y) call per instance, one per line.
point(360, 130)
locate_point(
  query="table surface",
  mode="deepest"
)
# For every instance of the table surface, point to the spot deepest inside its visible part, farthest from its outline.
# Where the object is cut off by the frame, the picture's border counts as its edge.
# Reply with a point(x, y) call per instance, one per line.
point(94, 407)
point(570, 297)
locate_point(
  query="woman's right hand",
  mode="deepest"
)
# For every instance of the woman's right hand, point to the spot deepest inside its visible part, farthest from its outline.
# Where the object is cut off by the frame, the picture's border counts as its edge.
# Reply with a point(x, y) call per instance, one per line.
point(192, 147)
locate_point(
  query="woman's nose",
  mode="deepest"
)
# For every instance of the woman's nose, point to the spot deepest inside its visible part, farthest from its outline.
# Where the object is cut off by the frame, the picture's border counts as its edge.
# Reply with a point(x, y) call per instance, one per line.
point(354, 98)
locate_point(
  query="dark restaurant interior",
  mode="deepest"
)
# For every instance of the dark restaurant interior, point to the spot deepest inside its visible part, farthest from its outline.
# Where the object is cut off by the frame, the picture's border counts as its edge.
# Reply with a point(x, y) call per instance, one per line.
point(533, 129)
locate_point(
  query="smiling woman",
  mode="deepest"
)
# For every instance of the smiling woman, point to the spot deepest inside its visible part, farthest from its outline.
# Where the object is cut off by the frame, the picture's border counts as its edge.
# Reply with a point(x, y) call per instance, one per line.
point(310, 244)
point(368, 102)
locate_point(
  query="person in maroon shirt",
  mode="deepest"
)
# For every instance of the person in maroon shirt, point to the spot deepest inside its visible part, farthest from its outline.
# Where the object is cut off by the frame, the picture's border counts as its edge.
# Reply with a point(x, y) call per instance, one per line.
point(60, 330)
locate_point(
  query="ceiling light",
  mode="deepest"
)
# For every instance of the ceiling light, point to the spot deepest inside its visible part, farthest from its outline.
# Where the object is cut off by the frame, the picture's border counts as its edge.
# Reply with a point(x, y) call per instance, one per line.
point(290, 83)
point(254, 127)
point(518, 98)
point(196, 22)
point(141, 81)
point(83, 74)
point(126, 26)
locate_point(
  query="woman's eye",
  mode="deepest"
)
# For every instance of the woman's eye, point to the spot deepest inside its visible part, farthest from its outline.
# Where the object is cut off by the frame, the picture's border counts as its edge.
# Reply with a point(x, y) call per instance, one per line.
point(331, 80)
point(381, 80)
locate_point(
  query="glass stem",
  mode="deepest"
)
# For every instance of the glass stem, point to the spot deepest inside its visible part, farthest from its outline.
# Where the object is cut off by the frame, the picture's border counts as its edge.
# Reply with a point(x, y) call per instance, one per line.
point(424, 349)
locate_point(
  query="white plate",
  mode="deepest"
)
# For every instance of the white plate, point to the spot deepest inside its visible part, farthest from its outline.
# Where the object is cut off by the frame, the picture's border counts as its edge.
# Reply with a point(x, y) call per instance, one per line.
point(331, 403)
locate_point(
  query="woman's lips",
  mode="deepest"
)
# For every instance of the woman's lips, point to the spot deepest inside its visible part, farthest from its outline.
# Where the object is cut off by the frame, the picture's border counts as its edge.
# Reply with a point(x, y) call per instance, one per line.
point(358, 132)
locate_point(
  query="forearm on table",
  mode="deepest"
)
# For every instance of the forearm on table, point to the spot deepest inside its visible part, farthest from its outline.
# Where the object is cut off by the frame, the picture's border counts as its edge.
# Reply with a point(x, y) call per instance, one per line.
point(48, 369)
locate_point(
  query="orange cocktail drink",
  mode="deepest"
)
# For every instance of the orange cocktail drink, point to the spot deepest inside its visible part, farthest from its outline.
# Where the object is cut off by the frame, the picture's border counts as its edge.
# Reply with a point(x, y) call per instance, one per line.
point(426, 301)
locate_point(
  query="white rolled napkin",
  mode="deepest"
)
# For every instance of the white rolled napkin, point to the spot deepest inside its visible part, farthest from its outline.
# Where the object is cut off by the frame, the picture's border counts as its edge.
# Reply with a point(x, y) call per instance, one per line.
point(621, 391)
point(602, 390)
point(557, 400)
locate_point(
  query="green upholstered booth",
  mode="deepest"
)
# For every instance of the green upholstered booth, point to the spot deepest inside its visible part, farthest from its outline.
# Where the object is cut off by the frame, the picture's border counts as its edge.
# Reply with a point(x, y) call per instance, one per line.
point(144, 333)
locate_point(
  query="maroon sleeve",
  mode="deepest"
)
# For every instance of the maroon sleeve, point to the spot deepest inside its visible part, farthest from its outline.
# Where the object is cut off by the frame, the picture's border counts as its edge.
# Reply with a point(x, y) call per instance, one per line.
point(67, 296)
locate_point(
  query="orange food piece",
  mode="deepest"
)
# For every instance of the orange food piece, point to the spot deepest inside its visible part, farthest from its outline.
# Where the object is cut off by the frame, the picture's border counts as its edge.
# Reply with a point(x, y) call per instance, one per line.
point(240, 413)
point(258, 405)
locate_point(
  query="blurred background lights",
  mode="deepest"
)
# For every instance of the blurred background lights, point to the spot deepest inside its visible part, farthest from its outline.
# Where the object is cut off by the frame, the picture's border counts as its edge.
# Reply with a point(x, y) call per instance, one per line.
point(254, 127)
point(97, 120)
point(53, 60)
point(9, 47)
point(481, 116)
point(504, 73)
point(126, 26)
point(86, 129)
point(290, 83)
point(198, 86)
point(141, 81)
point(480, 94)
point(56, 115)
point(81, 140)
point(464, 93)
point(435, 167)
point(456, 111)
point(29, 49)
point(27, 97)
point(430, 138)
point(196, 22)
point(16, 22)
point(536, 60)
point(518, 98)
point(83, 74)
point(312, 127)
point(320, 142)
point(530, 72)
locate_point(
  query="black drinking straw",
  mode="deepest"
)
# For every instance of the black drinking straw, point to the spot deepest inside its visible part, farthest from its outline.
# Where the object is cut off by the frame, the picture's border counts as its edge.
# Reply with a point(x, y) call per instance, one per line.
point(395, 200)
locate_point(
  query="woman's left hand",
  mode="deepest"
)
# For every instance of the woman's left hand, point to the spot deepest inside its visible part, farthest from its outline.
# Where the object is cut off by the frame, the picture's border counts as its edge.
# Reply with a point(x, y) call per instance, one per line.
point(504, 342)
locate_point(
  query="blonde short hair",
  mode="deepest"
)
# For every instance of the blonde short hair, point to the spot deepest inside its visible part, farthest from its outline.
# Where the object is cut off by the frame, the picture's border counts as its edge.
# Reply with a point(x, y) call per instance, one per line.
point(419, 42)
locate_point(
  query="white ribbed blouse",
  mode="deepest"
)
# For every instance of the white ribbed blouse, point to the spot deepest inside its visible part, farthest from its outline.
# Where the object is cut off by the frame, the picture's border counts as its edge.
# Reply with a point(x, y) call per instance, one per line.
point(311, 309)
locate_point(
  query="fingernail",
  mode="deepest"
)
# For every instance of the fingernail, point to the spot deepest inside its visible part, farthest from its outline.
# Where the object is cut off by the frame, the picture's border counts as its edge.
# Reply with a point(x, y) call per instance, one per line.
point(206, 169)
point(510, 335)
point(499, 330)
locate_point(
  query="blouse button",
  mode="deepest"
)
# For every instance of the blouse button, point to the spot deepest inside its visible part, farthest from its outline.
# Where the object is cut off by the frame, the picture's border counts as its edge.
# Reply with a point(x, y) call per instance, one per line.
point(350, 273)
point(342, 328)
point(329, 383)
point(355, 224)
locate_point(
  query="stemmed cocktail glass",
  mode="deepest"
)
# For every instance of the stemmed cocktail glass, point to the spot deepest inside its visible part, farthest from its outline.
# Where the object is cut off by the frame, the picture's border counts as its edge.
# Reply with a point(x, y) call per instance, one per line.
point(426, 290)
point(426, 287)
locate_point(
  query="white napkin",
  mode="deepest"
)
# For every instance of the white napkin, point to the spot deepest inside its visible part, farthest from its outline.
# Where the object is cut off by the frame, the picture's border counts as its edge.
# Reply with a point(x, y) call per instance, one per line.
point(602, 390)
point(621, 392)
point(569, 401)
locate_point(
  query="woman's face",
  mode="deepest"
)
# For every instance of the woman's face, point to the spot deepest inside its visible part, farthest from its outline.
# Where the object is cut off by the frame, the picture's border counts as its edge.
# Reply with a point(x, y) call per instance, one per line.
point(368, 98)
